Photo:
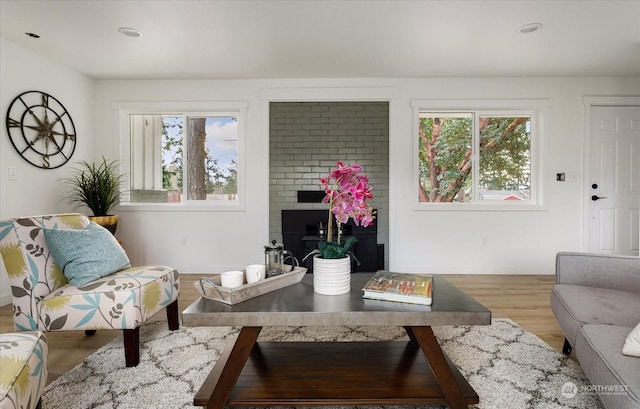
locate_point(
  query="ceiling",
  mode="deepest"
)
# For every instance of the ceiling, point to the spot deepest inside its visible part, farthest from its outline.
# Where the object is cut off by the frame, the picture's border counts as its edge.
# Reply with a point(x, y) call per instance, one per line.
point(329, 39)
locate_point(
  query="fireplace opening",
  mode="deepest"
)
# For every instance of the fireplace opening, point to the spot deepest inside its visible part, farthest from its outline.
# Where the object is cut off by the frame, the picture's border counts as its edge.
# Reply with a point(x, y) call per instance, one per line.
point(301, 231)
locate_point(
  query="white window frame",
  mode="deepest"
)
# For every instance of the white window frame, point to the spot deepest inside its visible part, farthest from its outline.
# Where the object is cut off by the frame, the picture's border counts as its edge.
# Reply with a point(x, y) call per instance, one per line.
point(537, 109)
point(196, 108)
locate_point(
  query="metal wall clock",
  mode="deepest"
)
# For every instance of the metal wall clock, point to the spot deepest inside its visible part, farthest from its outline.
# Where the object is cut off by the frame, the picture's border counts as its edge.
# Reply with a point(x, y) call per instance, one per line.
point(41, 129)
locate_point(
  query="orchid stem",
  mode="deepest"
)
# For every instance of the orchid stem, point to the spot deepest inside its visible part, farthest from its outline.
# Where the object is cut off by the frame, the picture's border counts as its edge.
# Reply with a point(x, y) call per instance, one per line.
point(330, 226)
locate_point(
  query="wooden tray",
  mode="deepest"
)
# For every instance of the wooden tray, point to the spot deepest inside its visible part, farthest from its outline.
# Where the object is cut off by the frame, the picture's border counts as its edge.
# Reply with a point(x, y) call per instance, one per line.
point(211, 288)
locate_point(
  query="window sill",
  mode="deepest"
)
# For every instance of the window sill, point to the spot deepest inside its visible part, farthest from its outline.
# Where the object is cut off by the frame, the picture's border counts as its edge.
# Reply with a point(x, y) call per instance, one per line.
point(474, 207)
point(181, 207)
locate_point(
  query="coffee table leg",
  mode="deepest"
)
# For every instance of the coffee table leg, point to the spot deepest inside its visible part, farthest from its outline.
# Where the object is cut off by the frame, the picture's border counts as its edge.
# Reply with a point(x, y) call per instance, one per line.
point(226, 371)
point(431, 349)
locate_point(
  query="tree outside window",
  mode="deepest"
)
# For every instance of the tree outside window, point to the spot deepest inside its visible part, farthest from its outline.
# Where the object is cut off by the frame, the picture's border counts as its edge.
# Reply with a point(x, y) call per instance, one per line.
point(196, 156)
point(474, 157)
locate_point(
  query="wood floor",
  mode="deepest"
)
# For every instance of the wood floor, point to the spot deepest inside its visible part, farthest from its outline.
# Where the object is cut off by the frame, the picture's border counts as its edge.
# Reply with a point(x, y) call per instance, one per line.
point(522, 298)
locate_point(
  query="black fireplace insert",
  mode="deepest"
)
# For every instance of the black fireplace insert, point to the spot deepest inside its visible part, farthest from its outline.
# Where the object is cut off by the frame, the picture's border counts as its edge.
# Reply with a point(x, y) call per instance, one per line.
point(301, 231)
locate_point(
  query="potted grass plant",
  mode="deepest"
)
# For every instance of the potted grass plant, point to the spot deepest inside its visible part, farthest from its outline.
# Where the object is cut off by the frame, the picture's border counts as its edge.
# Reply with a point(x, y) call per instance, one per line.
point(96, 186)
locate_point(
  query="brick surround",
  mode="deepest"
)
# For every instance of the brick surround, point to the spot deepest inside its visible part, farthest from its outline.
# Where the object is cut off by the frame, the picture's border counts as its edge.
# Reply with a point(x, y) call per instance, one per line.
point(305, 141)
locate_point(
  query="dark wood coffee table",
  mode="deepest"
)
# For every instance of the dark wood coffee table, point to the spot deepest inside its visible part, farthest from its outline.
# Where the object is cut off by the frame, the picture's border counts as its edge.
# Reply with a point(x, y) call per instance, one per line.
point(250, 373)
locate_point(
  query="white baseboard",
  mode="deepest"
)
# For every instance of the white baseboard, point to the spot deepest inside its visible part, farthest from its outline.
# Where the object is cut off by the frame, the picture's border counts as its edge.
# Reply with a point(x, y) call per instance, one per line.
point(5, 299)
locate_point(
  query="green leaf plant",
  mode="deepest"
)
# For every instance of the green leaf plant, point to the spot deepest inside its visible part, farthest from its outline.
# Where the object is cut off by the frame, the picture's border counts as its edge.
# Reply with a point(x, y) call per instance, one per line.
point(96, 186)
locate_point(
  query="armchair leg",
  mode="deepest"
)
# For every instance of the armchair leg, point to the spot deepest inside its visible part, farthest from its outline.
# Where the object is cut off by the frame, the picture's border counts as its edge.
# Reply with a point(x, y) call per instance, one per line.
point(172, 316)
point(566, 348)
point(131, 346)
point(132, 336)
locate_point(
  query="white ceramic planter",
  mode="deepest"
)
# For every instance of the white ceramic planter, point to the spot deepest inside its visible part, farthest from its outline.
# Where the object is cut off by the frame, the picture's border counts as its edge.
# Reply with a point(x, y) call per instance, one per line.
point(331, 276)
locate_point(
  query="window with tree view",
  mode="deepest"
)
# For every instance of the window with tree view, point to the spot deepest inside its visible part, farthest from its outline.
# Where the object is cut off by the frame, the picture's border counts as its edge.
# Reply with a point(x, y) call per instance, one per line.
point(474, 157)
point(177, 158)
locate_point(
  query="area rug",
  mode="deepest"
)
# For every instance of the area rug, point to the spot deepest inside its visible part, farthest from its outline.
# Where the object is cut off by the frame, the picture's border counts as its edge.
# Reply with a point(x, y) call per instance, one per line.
point(508, 366)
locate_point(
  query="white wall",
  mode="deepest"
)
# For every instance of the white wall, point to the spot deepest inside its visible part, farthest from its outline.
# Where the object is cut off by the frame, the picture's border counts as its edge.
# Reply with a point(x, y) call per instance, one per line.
point(215, 240)
point(38, 191)
point(518, 242)
point(430, 241)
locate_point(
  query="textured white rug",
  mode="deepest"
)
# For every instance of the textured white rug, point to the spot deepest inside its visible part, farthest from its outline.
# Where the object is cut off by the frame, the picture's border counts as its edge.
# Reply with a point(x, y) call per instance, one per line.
point(506, 365)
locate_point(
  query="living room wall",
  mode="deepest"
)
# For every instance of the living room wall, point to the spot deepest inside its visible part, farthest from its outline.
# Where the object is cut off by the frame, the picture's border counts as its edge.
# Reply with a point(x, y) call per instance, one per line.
point(429, 241)
point(38, 191)
point(518, 242)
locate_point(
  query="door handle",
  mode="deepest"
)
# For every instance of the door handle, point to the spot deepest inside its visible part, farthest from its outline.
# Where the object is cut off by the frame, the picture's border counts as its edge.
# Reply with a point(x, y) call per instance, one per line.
point(596, 197)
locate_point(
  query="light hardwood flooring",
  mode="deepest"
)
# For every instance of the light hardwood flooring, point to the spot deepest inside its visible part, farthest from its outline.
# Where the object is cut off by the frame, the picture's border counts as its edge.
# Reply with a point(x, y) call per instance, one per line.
point(522, 298)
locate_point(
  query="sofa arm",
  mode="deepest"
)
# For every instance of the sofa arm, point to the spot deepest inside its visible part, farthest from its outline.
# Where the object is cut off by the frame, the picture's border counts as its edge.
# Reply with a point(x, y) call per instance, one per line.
point(599, 270)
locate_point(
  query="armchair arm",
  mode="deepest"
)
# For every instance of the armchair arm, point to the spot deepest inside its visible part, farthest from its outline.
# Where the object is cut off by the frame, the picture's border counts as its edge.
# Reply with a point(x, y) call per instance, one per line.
point(599, 270)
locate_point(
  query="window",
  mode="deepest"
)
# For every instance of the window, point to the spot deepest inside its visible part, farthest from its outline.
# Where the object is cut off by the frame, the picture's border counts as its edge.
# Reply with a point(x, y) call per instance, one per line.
point(478, 157)
point(188, 158)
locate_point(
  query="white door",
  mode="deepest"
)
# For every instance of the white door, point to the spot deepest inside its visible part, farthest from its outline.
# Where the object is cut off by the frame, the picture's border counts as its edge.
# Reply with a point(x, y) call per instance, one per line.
point(614, 180)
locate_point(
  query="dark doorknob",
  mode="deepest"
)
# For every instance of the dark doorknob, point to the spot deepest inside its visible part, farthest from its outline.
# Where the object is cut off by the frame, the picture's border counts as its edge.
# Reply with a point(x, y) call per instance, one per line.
point(596, 197)
point(594, 186)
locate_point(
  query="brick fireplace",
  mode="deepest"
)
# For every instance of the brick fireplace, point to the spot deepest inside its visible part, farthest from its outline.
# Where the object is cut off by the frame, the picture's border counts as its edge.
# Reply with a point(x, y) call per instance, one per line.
point(306, 139)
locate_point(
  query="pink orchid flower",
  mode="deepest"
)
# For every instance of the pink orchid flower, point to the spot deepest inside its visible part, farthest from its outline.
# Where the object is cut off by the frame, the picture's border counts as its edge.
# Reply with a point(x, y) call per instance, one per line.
point(346, 192)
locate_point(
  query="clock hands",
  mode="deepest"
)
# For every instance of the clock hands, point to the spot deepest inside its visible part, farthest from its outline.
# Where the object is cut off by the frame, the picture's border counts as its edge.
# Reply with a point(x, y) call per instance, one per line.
point(45, 130)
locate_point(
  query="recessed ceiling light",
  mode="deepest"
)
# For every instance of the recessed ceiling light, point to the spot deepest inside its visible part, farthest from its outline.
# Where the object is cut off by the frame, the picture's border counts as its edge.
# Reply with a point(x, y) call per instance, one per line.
point(529, 28)
point(32, 35)
point(130, 32)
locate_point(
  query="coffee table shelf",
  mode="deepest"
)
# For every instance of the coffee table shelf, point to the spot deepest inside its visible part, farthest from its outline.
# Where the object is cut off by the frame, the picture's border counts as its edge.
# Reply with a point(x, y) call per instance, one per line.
point(338, 374)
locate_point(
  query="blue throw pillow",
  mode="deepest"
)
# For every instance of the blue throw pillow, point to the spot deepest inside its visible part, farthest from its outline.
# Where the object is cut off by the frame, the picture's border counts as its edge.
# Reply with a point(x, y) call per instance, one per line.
point(85, 255)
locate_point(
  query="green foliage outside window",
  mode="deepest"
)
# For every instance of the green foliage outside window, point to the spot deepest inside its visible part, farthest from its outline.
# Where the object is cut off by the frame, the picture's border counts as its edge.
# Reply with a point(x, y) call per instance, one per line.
point(446, 157)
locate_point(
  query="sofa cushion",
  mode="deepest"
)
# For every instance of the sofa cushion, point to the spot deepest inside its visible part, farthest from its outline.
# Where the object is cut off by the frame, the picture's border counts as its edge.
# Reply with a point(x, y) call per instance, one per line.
point(632, 343)
point(575, 305)
point(614, 376)
point(87, 254)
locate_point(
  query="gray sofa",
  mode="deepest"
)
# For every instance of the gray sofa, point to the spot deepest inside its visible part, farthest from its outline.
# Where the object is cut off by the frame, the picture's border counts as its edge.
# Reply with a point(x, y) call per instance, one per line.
point(596, 300)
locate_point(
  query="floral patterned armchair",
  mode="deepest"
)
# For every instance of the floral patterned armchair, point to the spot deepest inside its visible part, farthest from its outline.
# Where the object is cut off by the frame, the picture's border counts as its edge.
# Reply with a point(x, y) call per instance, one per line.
point(44, 300)
point(23, 359)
